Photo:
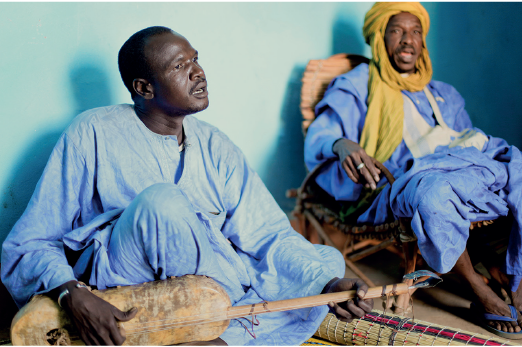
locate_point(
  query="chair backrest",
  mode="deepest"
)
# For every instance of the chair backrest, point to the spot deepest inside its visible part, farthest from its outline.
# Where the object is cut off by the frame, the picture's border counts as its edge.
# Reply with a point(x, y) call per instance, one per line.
point(318, 74)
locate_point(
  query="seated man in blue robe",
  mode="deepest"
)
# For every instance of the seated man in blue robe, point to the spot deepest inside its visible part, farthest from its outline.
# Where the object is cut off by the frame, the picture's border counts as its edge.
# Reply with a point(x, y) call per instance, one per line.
point(137, 193)
point(449, 173)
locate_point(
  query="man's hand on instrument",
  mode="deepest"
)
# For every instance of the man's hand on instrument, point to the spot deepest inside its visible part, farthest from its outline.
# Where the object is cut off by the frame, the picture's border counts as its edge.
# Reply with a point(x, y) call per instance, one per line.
point(348, 310)
point(95, 319)
point(358, 165)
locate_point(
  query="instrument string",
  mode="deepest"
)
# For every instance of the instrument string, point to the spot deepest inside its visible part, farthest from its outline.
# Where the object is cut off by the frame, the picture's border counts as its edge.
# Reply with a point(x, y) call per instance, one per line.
point(159, 328)
point(233, 313)
point(195, 317)
point(172, 323)
point(162, 328)
point(130, 332)
point(199, 318)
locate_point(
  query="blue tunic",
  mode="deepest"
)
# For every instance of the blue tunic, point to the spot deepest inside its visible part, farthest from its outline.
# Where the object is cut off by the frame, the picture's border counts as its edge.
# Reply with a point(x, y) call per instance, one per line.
point(140, 210)
point(442, 192)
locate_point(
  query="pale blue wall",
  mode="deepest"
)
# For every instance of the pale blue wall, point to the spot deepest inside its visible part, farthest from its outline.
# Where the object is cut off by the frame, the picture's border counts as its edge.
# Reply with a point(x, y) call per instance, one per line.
point(59, 59)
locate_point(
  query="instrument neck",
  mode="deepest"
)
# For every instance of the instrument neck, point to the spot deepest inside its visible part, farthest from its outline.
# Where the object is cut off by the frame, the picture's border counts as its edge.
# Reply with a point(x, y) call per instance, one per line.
point(313, 301)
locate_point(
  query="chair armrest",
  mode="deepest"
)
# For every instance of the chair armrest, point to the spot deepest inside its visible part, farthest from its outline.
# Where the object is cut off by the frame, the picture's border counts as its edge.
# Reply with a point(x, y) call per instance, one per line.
point(316, 170)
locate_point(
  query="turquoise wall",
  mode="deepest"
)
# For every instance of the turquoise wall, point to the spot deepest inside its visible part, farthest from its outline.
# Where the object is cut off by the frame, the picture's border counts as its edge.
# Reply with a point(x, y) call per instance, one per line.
point(59, 59)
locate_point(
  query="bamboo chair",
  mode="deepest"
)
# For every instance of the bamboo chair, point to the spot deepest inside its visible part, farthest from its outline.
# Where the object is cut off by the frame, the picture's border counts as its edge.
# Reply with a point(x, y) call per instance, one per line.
point(312, 203)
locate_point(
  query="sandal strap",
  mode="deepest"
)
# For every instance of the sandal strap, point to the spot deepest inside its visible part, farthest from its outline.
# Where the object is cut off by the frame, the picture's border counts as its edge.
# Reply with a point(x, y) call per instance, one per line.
point(513, 318)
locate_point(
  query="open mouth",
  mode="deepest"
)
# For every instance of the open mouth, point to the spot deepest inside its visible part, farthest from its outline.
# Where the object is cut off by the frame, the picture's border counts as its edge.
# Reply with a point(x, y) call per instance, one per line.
point(200, 89)
point(406, 56)
point(200, 92)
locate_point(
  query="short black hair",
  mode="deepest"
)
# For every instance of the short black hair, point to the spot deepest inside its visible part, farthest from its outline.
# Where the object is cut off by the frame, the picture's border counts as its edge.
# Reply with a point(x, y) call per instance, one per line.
point(131, 58)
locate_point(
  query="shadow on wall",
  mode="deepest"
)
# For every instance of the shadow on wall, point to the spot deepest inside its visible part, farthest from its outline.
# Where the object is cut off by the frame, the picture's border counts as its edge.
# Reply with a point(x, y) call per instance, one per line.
point(90, 89)
point(478, 49)
point(347, 38)
point(286, 168)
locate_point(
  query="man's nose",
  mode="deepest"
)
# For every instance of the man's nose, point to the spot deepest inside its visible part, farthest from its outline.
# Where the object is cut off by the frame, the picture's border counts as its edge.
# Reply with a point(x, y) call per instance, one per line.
point(196, 72)
point(407, 38)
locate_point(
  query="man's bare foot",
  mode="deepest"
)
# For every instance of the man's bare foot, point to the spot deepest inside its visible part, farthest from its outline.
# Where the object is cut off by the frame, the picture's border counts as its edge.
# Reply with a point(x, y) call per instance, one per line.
point(501, 280)
point(491, 303)
point(516, 298)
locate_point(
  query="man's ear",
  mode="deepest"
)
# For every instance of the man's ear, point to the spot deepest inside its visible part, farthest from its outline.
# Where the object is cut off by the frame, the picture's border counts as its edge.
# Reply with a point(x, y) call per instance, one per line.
point(143, 88)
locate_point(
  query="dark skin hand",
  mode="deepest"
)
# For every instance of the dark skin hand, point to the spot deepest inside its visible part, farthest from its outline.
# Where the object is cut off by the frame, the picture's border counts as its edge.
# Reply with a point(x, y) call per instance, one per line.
point(354, 155)
point(348, 310)
point(95, 319)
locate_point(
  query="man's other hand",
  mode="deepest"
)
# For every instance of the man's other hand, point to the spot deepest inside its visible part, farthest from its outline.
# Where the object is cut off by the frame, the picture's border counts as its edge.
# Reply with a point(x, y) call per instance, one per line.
point(358, 165)
point(95, 319)
point(348, 310)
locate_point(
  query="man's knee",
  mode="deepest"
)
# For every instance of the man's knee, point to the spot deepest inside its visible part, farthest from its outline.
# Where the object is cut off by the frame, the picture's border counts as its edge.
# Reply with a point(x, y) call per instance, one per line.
point(162, 210)
point(434, 187)
point(159, 226)
point(162, 200)
point(333, 257)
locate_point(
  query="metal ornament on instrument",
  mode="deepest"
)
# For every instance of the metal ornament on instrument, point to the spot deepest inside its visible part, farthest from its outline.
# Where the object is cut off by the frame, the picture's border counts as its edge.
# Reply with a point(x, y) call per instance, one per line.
point(432, 280)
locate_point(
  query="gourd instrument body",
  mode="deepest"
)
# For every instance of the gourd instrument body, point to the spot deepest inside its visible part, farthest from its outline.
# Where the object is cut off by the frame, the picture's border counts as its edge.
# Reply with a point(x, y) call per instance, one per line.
point(163, 306)
point(184, 309)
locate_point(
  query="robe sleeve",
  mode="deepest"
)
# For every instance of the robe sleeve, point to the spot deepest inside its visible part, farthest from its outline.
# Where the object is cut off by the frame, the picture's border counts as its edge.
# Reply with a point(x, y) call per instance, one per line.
point(340, 117)
point(33, 258)
point(281, 263)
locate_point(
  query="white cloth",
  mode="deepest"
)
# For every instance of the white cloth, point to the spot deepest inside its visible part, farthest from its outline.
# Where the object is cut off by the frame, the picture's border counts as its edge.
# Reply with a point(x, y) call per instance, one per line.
point(422, 139)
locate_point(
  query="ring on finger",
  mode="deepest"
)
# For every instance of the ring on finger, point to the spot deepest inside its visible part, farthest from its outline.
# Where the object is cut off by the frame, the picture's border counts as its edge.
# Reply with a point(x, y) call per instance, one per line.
point(360, 166)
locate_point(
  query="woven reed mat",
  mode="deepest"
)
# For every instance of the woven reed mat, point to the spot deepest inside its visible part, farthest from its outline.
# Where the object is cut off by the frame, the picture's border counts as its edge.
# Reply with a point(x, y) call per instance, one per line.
point(377, 329)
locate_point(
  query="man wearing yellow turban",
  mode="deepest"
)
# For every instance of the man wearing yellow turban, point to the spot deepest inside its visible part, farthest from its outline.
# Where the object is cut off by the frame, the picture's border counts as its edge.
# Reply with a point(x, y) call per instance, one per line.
point(449, 173)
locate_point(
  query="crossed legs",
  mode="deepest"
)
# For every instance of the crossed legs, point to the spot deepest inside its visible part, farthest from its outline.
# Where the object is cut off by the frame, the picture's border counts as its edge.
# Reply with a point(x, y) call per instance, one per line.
point(159, 235)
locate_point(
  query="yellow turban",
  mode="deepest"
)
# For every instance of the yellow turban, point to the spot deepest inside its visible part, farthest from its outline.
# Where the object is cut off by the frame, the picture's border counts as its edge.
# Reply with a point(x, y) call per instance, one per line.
point(382, 131)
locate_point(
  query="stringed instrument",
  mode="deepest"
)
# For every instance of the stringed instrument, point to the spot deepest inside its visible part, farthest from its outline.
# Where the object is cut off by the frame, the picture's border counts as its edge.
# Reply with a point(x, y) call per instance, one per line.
point(177, 310)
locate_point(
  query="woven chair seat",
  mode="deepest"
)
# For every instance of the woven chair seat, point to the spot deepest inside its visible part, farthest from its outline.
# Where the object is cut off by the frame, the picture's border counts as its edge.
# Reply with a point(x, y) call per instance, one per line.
point(359, 231)
point(326, 210)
